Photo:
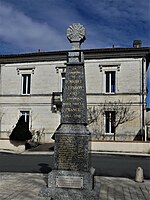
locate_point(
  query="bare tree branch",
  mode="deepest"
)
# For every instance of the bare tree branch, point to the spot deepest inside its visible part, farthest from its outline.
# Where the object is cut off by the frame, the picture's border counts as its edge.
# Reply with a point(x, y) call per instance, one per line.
point(1, 115)
point(93, 114)
point(123, 112)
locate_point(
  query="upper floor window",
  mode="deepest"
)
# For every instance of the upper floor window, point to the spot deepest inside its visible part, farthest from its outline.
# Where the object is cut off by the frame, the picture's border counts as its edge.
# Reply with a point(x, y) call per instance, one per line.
point(25, 72)
point(110, 77)
point(110, 81)
point(109, 121)
point(26, 83)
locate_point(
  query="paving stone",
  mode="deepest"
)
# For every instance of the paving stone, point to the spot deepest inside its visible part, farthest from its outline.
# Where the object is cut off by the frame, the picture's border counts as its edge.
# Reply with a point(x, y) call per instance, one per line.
point(119, 193)
point(27, 186)
point(139, 193)
point(110, 194)
point(126, 193)
point(103, 192)
point(145, 192)
point(133, 193)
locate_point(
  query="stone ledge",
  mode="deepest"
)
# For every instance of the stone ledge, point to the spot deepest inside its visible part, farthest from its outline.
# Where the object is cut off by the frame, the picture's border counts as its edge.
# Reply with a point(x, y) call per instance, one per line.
point(126, 147)
point(6, 144)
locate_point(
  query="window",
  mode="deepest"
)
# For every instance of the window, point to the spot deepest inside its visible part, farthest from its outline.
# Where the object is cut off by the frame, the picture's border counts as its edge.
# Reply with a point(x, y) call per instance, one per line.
point(109, 121)
point(63, 75)
point(25, 115)
point(26, 83)
point(110, 81)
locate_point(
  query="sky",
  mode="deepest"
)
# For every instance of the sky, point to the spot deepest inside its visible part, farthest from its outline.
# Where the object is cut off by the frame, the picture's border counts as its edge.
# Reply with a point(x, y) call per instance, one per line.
point(29, 25)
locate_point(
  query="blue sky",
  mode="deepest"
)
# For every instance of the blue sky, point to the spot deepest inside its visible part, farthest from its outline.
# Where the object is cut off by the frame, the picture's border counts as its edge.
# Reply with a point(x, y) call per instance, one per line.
point(29, 25)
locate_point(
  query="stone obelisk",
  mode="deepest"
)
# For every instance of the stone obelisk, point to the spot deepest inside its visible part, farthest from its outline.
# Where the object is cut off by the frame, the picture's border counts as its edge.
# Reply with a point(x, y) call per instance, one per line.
point(72, 177)
point(71, 149)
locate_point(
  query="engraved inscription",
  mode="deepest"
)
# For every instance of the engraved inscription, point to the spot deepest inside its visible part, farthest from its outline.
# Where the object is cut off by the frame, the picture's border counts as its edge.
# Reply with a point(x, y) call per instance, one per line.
point(74, 100)
point(66, 152)
point(73, 152)
point(69, 182)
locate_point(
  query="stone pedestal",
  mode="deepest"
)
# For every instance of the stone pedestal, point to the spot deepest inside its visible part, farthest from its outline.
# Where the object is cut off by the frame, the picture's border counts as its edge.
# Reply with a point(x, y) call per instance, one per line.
point(71, 185)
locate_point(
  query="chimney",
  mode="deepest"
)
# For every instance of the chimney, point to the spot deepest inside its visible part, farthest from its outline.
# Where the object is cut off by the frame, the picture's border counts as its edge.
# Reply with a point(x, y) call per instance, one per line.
point(137, 43)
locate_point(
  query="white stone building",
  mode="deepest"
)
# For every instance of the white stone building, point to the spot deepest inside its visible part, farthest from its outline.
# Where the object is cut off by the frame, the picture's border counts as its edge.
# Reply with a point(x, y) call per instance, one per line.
point(31, 85)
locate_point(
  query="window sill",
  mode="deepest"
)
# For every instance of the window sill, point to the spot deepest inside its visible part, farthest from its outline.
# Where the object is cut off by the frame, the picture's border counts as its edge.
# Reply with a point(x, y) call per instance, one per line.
point(110, 93)
point(108, 133)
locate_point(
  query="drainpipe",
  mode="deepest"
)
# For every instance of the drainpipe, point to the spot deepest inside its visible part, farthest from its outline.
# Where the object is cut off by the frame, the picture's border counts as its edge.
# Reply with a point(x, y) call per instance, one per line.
point(145, 133)
point(0, 105)
point(143, 101)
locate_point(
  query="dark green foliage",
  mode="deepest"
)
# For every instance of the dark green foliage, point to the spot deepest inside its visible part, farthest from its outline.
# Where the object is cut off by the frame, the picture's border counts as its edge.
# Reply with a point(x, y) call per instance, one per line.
point(21, 131)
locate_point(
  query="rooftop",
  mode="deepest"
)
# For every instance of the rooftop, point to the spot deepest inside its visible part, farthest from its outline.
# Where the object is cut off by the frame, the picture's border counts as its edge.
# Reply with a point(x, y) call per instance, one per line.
point(101, 53)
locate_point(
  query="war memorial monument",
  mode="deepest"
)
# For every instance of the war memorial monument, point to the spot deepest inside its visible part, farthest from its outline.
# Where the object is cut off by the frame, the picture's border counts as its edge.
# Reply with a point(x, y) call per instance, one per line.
point(73, 177)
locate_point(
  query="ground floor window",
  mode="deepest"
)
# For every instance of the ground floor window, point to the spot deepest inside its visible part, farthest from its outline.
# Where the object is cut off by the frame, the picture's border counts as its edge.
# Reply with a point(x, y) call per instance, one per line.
point(109, 122)
point(25, 115)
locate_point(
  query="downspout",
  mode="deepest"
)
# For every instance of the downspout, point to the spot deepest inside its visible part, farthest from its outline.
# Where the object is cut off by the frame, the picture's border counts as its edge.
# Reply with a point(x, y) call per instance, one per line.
point(0, 105)
point(143, 101)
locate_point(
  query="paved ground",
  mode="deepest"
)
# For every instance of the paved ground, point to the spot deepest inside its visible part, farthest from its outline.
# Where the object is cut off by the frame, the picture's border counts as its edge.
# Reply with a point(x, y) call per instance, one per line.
point(26, 186)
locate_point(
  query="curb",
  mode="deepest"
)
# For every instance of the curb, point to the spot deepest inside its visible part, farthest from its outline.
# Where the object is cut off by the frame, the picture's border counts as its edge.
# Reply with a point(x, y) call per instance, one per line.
point(92, 152)
point(120, 153)
point(37, 153)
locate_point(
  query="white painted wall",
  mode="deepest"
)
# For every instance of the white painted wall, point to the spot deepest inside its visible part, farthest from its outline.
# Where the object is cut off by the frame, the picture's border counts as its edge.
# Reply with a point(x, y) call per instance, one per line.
point(45, 80)
point(124, 147)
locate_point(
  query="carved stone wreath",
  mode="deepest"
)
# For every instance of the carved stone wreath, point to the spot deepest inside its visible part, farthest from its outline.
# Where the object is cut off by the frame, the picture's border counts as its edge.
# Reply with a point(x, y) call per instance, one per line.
point(76, 33)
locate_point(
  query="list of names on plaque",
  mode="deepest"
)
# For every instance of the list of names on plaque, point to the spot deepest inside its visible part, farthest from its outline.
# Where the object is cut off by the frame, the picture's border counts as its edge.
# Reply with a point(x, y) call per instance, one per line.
point(72, 155)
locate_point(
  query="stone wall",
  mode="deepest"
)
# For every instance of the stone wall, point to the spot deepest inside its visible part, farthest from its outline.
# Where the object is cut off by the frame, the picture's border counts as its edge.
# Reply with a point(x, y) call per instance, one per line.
point(125, 147)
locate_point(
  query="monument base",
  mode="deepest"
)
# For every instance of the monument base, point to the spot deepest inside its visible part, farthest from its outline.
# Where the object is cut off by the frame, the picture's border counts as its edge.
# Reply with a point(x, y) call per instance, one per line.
point(71, 185)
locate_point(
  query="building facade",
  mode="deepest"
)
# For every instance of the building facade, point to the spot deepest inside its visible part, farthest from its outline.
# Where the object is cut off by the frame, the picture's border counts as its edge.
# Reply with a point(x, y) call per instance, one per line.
point(31, 85)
